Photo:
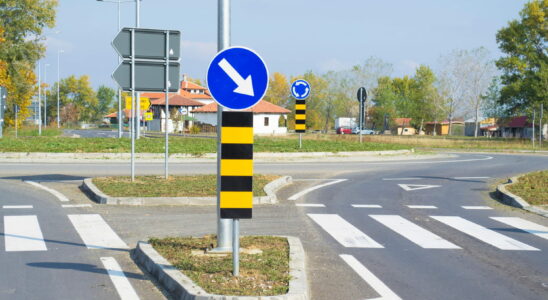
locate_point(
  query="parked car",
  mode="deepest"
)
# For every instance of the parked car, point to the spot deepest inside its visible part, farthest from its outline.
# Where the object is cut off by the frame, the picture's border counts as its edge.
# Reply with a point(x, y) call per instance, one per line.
point(344, 130)
point(363, 131)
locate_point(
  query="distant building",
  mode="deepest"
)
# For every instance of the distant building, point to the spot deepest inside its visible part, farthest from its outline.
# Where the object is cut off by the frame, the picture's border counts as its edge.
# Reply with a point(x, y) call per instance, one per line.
point(402, 126)
point(516, 127)
point(442, 128)
point(266, 117)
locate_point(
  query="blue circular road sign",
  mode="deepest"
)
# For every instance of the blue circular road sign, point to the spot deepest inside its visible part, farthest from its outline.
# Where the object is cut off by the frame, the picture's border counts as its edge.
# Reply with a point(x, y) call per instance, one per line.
point(300, 89)
point(237, 78)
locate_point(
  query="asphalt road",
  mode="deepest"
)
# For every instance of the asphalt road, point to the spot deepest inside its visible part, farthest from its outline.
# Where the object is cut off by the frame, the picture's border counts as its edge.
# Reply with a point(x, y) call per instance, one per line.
point(389, 249)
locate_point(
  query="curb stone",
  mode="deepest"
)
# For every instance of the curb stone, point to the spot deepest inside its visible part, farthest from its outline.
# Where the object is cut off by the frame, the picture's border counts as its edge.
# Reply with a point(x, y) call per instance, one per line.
point(98, 196)
point(514, 200)
point(182, 287)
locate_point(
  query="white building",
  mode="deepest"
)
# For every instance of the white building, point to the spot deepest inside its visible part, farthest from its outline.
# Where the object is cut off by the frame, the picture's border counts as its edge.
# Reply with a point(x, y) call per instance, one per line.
point(266, 117)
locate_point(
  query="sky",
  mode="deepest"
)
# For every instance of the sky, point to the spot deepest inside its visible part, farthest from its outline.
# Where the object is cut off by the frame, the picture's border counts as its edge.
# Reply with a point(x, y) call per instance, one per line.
point(292, 36)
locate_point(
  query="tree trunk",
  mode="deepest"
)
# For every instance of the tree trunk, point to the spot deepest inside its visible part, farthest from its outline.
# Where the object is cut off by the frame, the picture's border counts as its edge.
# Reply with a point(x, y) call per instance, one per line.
point(476, 123)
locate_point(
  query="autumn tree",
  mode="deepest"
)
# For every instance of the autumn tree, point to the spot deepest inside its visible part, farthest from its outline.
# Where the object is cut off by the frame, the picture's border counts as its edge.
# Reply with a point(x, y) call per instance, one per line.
point(22, 23)
point(278, 90)
point(525, 66)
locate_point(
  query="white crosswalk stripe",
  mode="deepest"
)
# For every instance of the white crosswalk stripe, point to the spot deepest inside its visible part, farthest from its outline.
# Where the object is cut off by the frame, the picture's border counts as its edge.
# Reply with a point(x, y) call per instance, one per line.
point(23, 233)
point(95, 232)
point(484, 234)
point(414, 233)
point(342, 231)
point(524, 225)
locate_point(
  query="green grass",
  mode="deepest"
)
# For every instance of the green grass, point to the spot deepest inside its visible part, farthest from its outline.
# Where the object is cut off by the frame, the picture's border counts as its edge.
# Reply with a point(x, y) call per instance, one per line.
point(263, 274)
point(532, 187)
point(175, 186)
point(31, 131)
point(194, 146)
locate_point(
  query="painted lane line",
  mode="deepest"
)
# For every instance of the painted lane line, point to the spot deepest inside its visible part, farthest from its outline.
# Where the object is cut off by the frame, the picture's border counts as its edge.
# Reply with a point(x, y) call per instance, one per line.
point(342, 231)
point(310, 189)
point(366, 206)
point(524, 225)
point(413, 232)
point(55, 193)
point(373, 281)
point(414, 187)
point(16, 206)
point(483, 234)
point(479, 177)
point(477, 207)
point(23, 233)
point(75, 205)
point(403, 178)
point(309, 205)
point(119, 279)
point(95, 232)
point(422, 206)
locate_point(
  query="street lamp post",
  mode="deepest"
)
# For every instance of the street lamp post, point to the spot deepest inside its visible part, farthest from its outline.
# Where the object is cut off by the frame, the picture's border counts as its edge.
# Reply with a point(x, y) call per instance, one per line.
point(39, 99)
point(58, 84)
point(45, 96)
point(120, 116)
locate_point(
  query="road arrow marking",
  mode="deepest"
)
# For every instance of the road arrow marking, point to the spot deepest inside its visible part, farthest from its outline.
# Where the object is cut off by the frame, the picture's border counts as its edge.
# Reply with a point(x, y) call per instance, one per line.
point(413, 187)
point(245, 86)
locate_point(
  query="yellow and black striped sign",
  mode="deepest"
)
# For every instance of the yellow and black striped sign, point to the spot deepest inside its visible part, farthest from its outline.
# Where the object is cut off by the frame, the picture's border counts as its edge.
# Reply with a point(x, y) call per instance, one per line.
point(236, 195)
point(300, 116)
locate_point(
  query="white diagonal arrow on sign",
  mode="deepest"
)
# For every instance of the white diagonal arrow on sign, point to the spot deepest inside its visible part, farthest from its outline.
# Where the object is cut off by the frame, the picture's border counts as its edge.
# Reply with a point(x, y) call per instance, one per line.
point(245, 86)
point(413, 187)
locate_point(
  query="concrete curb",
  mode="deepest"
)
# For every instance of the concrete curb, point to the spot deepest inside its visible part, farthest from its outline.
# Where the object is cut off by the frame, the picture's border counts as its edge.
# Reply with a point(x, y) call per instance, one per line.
point(46, 157)
point(514, 200)
point(181, 287)
point(98, 196)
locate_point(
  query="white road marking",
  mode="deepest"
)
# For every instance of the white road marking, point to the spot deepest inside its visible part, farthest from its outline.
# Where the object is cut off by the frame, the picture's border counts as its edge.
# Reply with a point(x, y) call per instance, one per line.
point(414, 233)
point(483, 234)
point(366, 206)
point(479, 177)
point(22, 233)
point(524, 225)
point(309, 205)
point(75, 205)
point(477, 207)
point(413, 187)
point(55, 193)
point(342, 231)
point(403, 178)
point(16, 206)
point(422, 206)
point(310, 189)
point(95, 232)
point(119, 279)
point(379, 287)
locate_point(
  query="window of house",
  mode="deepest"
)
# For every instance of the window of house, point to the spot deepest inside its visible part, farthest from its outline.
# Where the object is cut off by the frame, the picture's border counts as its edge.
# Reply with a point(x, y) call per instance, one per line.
point(266, 120)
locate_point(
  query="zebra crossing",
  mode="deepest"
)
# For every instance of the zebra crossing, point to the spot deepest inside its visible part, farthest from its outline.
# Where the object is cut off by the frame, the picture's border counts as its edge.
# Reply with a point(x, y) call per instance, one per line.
point(351, 237)
point(24, 233)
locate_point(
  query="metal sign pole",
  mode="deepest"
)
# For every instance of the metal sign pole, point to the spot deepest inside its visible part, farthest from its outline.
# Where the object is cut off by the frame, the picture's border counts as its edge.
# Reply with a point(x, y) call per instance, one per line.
point(167, 105)
point(540, 126)
point(133, 104)
point(223, 225)
point(16, 113)
point(236, 247)
point(300, 140)
point(39, 100)
point(138, 95)
point(361, 120)
point(533, 139)
point(2, 105)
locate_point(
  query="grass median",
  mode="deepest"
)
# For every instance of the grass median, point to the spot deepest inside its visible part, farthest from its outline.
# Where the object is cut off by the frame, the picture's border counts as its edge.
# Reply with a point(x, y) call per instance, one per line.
point(175, 186)
point(532, 187)
point(263, 272)
point(188, 145)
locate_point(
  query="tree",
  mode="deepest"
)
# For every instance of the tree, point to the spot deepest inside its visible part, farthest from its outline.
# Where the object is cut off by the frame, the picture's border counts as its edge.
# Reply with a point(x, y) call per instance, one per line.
point(525, 68)
point(490, 106)
point(105, 100)
point(22, 22)
point(77, 99)
point(278, 90)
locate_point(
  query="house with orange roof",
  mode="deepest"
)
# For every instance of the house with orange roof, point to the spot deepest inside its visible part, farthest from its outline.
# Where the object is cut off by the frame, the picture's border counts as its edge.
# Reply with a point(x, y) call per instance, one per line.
point(266, 117)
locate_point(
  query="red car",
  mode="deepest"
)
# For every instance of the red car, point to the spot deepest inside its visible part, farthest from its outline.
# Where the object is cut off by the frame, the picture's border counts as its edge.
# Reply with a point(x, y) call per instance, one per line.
point(344, 130)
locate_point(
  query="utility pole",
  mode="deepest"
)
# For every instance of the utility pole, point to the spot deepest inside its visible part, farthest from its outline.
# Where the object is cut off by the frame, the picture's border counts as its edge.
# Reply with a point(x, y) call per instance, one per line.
point(540, 129)
point(45, 96)
point(224, 234)
point(39, 100)
point(137, 106)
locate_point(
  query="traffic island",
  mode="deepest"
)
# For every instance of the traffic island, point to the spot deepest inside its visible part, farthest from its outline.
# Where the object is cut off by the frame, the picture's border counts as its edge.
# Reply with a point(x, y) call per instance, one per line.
point(528, 192)
point(177, 190)
point(270, 268)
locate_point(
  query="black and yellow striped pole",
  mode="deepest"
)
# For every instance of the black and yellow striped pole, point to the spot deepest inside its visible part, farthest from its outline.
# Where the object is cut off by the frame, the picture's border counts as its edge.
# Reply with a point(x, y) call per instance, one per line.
point(236, 193)
point(300, 90)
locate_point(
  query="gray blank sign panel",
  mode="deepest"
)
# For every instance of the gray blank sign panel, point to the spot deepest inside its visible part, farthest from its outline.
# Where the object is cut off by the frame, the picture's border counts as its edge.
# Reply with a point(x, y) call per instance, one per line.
point(149, 76)
point(149, 44)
